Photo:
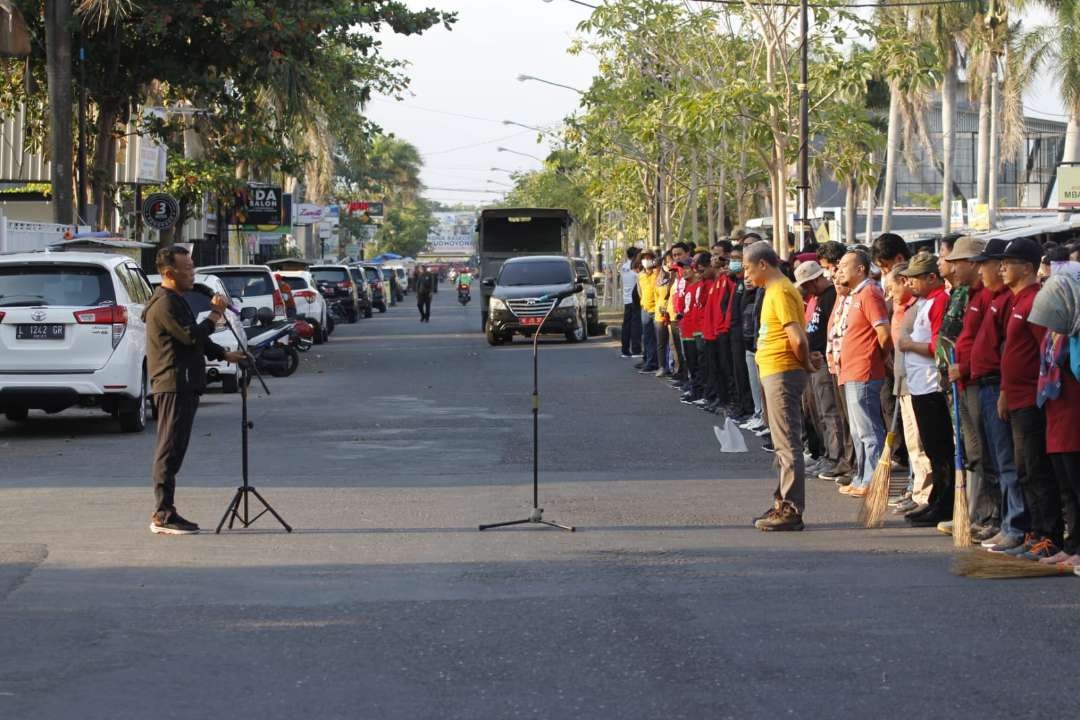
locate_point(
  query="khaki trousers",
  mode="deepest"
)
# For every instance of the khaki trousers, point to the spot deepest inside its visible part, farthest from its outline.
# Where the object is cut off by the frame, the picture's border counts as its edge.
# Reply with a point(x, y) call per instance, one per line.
point(919, 461)
point(783, 404)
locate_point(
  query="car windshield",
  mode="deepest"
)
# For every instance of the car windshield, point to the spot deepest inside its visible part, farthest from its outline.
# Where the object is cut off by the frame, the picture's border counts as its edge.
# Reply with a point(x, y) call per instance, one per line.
point(372, 274)
point(332, 275)
point(537, 272)
point(62, 285)
point(247, 284)
point(295, 282)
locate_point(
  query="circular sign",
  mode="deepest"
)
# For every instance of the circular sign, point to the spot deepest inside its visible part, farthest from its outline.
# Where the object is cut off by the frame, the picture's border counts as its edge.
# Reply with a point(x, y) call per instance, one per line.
point(160, 211)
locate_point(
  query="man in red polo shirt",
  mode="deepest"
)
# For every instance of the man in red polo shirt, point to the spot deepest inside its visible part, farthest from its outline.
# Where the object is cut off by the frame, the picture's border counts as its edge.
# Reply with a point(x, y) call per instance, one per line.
point(984, 372)
point(984, 494)
point(1020, 262)
point(865, 338)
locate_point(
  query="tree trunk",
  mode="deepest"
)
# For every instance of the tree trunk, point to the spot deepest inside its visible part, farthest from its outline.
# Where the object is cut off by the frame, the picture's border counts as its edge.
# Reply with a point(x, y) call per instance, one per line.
point(721, 211)
point(58, 71)
point(102, 175)
point(982, 167)
point(948, 133)
point(892, 156)
point(850, 210)
point(869, 214)
point(710, 200)
point(994, 161)
point(1071, 152)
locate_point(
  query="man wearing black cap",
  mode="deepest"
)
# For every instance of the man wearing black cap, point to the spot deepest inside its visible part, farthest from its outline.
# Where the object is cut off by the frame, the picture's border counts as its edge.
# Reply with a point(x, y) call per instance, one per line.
point(984, 371)
point(1020, 260)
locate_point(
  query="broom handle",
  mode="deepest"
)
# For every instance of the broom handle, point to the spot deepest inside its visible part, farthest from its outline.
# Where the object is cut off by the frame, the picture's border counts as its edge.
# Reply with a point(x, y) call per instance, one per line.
point(959, 454)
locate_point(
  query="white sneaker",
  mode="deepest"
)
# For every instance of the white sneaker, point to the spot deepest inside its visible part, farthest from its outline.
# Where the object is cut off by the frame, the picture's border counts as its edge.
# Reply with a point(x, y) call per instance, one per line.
point(754, 423)
point(762, 432)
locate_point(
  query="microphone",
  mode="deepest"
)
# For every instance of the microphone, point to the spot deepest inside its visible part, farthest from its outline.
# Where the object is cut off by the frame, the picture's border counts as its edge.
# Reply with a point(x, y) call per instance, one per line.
point(561, 295)
point(203, 290)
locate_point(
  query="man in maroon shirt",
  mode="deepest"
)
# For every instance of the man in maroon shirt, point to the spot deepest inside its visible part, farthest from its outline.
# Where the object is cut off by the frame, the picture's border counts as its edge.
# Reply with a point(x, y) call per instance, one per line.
point(1020, 262)
point(984, 372)
point(983, 492)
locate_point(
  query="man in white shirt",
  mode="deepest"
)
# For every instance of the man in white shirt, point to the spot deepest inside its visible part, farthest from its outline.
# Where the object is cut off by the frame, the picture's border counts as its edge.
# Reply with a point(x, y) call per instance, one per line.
point(631, 325)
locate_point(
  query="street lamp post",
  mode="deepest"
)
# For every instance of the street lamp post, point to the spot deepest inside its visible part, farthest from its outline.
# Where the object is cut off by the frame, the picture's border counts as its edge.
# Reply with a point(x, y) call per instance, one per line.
point(516, 152)
point(804, 133)
point(523, 78)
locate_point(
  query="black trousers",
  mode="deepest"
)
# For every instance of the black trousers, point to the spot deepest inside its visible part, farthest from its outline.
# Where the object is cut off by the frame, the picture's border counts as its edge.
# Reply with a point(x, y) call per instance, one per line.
point(743, 399)
point(1041, 494)
point(631, 329)
point(693, 367)
point(423, 302)
point(176, 415)
point(1067, 471)
point(718, 369)
point(936, 432)
point(677, 346)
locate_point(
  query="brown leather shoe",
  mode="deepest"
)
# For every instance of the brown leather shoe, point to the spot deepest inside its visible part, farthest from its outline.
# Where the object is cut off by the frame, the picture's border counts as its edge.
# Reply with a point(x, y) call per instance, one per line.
point(858, 492)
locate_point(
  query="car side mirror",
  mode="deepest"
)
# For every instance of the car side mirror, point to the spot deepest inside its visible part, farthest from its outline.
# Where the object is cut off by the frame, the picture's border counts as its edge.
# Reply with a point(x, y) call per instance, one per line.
point(488, 282)
point(584, 279)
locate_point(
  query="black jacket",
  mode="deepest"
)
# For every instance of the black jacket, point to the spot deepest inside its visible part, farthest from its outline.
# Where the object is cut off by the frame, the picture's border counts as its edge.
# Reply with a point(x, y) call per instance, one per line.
point(176, 345)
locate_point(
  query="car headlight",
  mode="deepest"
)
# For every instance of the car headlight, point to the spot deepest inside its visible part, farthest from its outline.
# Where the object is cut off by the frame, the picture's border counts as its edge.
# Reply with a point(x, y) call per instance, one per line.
point(497, 304)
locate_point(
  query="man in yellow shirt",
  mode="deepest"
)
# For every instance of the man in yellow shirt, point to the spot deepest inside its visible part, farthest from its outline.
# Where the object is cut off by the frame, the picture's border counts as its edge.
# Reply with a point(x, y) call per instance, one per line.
point(647, 291)
point(783, 358)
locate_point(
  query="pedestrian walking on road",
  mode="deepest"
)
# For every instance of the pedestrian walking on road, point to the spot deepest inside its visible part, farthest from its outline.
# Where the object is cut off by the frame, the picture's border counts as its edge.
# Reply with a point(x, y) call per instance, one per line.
point(425, 287)
point(176, 346)
point(631, 326)
point(783, 358)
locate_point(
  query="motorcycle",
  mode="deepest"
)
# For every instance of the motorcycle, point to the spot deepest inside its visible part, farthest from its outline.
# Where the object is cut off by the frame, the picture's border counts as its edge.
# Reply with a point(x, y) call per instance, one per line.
point(270, 343)
point(303, 335)
point(463, 294)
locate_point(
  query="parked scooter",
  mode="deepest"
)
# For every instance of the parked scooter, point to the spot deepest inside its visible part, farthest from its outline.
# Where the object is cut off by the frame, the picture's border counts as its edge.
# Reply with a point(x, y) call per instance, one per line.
point(463, 293)
point(303, 335)
point(270, 343)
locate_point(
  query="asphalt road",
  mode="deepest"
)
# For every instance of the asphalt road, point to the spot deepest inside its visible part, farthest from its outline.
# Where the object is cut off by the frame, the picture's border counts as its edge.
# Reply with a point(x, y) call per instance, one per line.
point(385, 451)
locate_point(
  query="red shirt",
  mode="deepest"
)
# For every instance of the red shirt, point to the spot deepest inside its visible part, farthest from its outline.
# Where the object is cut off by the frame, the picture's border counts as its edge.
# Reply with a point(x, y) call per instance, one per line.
point(1020, 357)
point(861, 357)
point(978, 304)
point(710, 307)
point(985, 358)
point(1063, 414)
point(939, 305)
point(691, 319)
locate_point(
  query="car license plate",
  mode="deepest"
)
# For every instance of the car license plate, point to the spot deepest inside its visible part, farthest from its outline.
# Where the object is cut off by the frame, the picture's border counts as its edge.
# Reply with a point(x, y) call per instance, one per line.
point(531, 320)
point(39, 332)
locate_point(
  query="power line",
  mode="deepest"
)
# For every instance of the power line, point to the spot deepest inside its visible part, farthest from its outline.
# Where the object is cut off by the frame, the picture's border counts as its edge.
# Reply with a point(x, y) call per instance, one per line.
point(841, 6)
point(474, 145)
point(435, 110)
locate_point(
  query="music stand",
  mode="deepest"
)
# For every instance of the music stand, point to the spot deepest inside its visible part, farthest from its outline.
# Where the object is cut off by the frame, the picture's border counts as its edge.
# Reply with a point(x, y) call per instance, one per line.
point(233, 513)
point(536, 517)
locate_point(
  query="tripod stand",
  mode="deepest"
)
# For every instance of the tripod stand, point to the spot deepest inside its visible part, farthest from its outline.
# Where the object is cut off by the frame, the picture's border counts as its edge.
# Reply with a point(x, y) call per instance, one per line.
point(536, 517)
point(234, 513)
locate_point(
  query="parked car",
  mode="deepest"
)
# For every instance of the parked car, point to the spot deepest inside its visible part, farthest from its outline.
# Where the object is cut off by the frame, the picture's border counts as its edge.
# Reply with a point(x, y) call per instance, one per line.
point(251, 286)
point(338, 288)
point(592, 306)
point(401, 277)
point(363, 290)
point(71, 334)
point(518, 299)
point(310, 304)
point(216, 370)
point(380, 287)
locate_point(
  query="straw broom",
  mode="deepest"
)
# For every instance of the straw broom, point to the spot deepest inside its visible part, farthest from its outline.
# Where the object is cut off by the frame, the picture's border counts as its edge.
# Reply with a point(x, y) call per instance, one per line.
point(961, 517)
point(990, 566)
point(876, 500)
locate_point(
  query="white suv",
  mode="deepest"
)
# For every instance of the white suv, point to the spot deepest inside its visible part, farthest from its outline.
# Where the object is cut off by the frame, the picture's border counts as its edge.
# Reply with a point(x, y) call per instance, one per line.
point(71, 334)
point(221, 371)
point(310, 303)
point(253, 286)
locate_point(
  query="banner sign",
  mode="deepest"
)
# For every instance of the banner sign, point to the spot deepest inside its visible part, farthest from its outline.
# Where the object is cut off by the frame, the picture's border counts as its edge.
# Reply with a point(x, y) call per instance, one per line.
point(359, 207)
point(1068, 182)
point(160, 211)
point(308, 214)
point(259, 205)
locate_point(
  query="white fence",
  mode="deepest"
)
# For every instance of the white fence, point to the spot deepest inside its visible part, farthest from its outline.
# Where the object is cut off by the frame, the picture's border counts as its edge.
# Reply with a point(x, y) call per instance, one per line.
point(19, 236)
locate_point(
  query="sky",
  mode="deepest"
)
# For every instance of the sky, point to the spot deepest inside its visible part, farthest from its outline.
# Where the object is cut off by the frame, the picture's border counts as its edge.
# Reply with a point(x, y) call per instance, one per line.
point(472, 70)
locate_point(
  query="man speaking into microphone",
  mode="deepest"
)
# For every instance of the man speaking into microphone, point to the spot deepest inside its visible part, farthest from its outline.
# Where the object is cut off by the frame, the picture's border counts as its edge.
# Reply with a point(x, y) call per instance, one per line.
point(176, 348)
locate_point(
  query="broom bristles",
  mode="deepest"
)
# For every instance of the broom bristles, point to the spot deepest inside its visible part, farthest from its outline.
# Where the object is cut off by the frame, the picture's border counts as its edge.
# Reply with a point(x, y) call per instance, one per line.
point(876, 500)
point(961, 527)
point(991, 566)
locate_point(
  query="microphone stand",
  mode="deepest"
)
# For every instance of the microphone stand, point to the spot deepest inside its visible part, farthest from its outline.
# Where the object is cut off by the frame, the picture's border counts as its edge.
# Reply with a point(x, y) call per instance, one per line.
point(536, 517)
point(234, 513)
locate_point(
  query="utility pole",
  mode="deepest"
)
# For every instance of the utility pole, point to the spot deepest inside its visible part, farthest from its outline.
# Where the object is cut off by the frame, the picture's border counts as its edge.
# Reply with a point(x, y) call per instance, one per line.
point(804, 129)
point(81, 162)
